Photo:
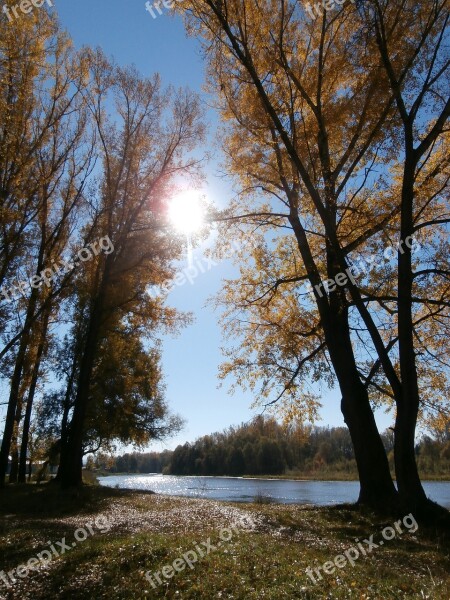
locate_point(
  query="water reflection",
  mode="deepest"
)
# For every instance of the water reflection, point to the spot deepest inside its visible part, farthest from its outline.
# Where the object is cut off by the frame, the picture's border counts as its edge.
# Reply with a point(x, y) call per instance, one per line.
point(246, 490)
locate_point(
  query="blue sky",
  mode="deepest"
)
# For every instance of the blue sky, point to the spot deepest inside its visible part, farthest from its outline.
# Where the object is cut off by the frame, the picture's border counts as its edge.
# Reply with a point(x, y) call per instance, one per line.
point(126, 31)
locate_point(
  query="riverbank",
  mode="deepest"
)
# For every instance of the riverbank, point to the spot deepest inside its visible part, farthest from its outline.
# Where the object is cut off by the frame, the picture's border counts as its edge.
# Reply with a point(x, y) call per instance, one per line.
point(333, 476)
point(290, 476)
point(249, 553)
point(241, 489)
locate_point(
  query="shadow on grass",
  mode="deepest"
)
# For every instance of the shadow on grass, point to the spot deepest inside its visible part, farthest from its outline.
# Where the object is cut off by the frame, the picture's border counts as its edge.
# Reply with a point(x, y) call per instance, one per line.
point(48, 500)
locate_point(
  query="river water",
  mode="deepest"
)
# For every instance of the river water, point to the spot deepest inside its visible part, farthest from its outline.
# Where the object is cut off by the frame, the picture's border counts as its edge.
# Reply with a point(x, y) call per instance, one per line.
point(238, 489)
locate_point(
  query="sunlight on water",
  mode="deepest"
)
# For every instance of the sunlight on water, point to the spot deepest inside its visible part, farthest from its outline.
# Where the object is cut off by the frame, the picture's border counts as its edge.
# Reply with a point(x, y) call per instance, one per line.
point(239, 489)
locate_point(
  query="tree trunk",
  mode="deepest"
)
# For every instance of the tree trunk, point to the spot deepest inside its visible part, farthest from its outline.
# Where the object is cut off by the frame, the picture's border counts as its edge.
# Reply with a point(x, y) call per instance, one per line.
point(13, 472)
point(66, 409)
point(20, 358)
point(30, 399)
point(408, 480)
point(411, 491)
point(377, 488)
point(15, 389)
point(70, 471)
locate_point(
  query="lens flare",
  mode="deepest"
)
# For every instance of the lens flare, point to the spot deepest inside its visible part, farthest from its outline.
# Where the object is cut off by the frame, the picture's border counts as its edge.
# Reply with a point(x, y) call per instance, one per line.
point(186, 212)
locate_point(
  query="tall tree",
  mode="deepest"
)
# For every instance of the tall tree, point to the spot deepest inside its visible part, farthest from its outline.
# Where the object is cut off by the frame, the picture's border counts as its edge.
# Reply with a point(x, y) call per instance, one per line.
point(142, 149)
point(41, 332)
point(311, 122)
point(419, 78)
point(278, 74)
point(49, 136)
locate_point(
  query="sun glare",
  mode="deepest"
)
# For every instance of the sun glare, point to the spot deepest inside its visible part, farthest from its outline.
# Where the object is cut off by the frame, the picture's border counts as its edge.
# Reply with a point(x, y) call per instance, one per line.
point(186, 213)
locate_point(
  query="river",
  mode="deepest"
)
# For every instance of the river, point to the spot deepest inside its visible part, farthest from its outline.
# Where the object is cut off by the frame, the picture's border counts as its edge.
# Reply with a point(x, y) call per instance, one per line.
point(238, 489)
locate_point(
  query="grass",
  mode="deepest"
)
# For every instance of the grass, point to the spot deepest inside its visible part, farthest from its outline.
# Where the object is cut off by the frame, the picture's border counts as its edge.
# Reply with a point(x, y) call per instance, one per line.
point(265, 559)
point(261, 498)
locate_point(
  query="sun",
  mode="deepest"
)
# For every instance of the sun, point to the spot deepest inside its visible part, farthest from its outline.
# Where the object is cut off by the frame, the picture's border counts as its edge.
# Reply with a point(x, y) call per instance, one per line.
point(186, 212)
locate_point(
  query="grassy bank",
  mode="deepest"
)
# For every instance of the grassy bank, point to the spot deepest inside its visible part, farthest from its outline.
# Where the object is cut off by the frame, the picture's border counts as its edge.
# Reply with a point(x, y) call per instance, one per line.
point(130, 533)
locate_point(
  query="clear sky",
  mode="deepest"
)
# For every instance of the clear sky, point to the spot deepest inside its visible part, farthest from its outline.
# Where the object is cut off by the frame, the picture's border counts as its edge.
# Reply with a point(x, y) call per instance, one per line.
point(123, 29)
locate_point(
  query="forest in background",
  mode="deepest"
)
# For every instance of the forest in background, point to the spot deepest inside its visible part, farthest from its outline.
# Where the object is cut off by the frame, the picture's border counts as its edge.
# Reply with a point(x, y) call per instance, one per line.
point(264, 447)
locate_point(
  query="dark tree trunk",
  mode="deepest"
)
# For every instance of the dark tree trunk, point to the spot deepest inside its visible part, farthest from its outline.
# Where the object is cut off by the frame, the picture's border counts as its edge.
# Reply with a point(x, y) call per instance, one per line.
point(70, 471)
point(415, 148)
point(20, 359)
point(30, 400)
point(15, 390)
point(411, 491)
point(408, 480)
point(65, 417)
point(14, 471)
point(377, 488)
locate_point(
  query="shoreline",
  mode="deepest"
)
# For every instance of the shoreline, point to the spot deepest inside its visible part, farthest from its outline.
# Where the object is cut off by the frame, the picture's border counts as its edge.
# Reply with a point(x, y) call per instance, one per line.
point(331, 478)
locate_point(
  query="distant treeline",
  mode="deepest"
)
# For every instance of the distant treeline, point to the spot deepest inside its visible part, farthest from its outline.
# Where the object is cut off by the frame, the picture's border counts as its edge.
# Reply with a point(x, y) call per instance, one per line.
point(134, 462)
point(264, 447)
